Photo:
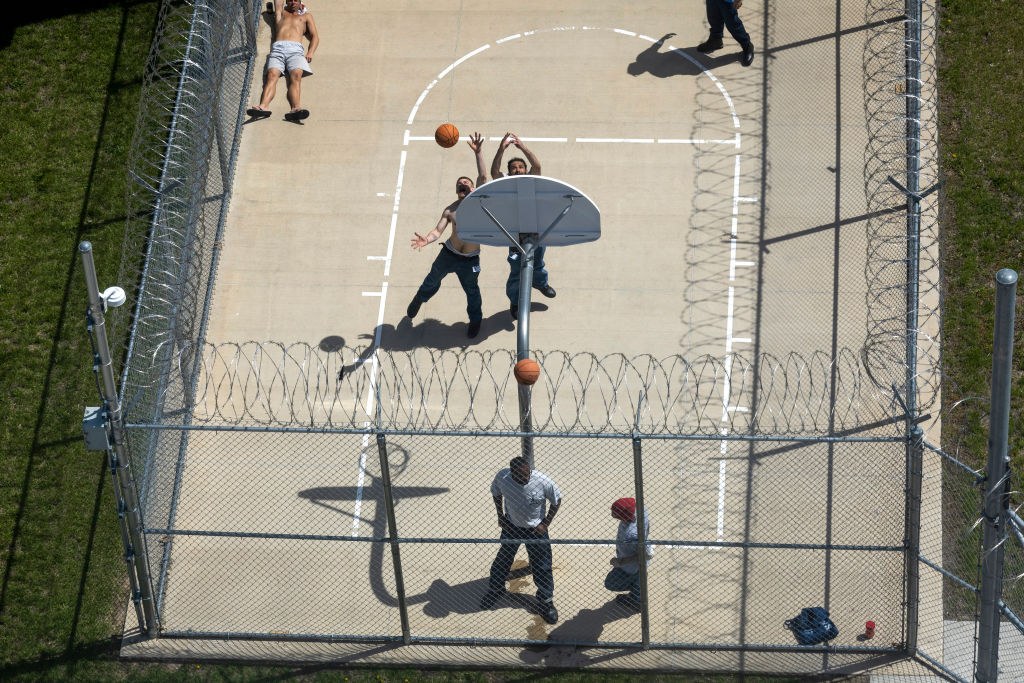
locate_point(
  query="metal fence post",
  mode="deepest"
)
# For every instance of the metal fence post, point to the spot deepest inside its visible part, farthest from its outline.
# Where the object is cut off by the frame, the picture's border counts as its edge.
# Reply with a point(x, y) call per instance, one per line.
point(523, 343)
point(135, 553)
point(912, 569)
point(641, 531)
point(997, 479)
point(913, 110)
point(396, 557)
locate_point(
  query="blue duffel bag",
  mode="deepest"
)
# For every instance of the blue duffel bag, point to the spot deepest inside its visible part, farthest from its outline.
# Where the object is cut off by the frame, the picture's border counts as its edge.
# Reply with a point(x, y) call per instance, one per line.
point(812, 626)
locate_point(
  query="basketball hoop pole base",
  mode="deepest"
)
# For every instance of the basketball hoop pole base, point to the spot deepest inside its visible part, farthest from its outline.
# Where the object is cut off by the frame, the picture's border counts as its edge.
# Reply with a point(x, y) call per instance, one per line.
point(529, 250)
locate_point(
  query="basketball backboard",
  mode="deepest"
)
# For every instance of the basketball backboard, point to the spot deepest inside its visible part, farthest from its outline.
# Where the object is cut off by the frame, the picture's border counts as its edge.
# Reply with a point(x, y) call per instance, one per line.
point(523, 204)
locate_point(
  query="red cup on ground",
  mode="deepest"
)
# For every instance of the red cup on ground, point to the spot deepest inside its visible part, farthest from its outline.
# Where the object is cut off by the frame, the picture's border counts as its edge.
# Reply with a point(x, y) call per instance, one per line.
point(869, 629)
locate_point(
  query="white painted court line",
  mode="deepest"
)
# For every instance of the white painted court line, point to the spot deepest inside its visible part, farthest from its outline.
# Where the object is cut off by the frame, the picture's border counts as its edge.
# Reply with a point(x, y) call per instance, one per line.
point(359, 486)
point(370, 393)
point(628, 140)
point(460, 60)
point(499, 138)
point(642, 141)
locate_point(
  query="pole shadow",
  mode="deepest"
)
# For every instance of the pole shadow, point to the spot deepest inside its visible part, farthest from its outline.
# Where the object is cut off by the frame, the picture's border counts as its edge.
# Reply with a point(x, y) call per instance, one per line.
point(441, 599)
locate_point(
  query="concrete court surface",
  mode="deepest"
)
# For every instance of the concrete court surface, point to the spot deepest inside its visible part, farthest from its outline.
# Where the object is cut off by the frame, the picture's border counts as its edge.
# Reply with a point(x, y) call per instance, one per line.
point(720, 189)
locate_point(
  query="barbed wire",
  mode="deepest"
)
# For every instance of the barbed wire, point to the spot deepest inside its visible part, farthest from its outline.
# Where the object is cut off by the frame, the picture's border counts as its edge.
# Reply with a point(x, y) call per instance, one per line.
point(299, 385)
point(889, 113)
point(180, 169)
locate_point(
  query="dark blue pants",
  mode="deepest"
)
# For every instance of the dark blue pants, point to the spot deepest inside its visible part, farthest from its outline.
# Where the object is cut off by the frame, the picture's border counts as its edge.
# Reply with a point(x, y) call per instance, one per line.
point(540, 276)
point(723, 14)
point(467, 268)
point(619, 579)
point(540, 560)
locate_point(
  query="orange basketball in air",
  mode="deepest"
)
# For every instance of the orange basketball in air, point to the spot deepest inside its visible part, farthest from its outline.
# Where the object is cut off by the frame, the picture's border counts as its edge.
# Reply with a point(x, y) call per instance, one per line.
point(527, 371)
point(446, 135)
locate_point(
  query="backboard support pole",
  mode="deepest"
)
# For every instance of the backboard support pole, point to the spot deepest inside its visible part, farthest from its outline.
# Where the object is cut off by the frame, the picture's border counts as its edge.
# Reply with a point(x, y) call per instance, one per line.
point(538, 212)
point(529, 245)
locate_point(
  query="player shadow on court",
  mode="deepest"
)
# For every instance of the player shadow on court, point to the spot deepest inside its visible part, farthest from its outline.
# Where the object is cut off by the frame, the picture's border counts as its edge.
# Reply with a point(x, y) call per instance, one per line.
point(586, 626)
point(429, 333)
point(676, 62)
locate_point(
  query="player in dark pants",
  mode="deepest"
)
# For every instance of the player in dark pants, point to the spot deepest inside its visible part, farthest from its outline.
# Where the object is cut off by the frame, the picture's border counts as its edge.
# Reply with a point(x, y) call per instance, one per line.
point(524, 492)
point(456, 255)
point(722, 14)
point(467, 268)
point(517, 166)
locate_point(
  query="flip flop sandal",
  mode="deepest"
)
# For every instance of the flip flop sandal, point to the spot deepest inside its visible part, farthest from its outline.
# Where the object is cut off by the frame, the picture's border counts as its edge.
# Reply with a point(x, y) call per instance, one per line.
point(257, 113)
point(297, 115)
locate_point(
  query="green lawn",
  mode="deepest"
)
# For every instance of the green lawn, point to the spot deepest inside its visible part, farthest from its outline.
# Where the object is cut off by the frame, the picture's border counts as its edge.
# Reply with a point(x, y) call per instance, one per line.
point(981, 128)
point(64, 135)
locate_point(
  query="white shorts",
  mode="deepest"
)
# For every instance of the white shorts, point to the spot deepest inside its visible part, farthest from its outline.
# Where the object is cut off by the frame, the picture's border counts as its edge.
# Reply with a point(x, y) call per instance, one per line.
point(286, 56)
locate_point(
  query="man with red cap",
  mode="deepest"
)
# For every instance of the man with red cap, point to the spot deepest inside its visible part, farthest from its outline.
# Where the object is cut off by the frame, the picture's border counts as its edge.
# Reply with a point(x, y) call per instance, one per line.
point(625, 573)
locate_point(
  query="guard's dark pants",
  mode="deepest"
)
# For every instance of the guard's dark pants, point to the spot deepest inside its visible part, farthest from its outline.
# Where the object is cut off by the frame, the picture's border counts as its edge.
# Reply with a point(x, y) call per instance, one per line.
point(619, 579)
point(540, 560)
point(467, 268)
point(722, 14)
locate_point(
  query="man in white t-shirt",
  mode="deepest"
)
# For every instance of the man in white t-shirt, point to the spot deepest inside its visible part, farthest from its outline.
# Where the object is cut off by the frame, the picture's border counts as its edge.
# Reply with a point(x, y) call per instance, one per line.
point(625, 575)
point(520, 495)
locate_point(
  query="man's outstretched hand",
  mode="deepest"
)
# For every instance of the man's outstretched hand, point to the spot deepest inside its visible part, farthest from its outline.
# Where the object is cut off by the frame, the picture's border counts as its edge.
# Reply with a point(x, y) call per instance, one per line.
point(419, 241)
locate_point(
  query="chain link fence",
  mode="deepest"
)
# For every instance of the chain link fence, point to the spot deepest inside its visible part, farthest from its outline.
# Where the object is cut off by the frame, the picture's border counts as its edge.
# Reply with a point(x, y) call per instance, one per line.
point(290, 492)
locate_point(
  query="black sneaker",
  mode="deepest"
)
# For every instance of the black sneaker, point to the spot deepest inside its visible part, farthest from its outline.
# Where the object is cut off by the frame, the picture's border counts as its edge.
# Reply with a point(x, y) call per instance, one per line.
point(491, 598)
point(710, 45)
point(413, 308)
point(546, 290)
point(474, 329)
point(548, 612)
point(748, 55)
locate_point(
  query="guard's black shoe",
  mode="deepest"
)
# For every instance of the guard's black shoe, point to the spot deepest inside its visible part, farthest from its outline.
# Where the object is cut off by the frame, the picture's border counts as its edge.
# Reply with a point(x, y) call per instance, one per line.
point(548, 612)
point(413, 308)
point(474, 329)
point(710, 45)
point(546, 290)
point(491, 598)
point(748, 55)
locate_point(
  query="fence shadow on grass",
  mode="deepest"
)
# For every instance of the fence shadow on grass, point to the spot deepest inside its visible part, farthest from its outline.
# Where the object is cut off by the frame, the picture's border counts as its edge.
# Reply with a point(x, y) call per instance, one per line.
point(56, 362)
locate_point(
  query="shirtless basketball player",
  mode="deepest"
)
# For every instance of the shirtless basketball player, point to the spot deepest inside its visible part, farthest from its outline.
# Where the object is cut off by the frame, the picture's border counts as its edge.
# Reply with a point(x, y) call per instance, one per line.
point(293, 21)
point(455, 255)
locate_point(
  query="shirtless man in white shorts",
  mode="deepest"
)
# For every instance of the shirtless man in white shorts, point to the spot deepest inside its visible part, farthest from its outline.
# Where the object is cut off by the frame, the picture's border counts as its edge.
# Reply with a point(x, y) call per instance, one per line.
point(293, 21)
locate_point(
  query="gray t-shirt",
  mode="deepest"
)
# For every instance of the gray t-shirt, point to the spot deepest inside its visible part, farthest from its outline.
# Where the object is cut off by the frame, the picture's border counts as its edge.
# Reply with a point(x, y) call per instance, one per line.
point(627, 540)
point(524, 504)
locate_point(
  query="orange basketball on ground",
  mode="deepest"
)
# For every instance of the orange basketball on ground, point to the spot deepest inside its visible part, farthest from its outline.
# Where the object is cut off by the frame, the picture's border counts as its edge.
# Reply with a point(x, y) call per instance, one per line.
point(527, 371)
point(446, 135)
